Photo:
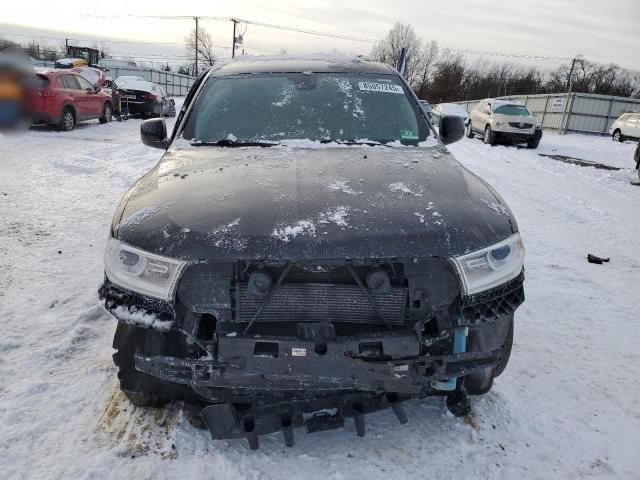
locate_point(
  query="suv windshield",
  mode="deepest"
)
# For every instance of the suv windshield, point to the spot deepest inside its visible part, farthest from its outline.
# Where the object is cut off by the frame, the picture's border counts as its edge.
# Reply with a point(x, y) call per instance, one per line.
point(515, 110)
point(269, 108)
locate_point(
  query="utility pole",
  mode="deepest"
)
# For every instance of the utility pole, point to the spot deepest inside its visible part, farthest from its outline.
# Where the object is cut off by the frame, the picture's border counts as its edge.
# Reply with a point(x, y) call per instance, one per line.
point(573, 64)
point(570, 79)
point(196, 67)
point(233, 46)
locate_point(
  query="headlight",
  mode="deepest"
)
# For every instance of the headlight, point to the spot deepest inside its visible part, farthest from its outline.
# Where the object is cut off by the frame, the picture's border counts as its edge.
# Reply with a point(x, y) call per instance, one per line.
point(491, 266)
point(499, 123)
point(539, 126)
point(140, 271)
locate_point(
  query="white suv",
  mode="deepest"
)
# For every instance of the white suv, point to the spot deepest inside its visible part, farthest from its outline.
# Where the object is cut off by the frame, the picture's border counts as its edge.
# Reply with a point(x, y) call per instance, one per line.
point(626, 126)
point(503, 120)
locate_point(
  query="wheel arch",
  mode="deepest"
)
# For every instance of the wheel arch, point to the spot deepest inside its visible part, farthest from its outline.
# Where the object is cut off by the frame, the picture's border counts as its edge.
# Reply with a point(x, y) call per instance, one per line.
point(71, 106)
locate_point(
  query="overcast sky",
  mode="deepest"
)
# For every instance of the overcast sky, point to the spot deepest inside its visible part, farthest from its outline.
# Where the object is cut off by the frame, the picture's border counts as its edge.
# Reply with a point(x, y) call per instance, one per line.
point(604, 31)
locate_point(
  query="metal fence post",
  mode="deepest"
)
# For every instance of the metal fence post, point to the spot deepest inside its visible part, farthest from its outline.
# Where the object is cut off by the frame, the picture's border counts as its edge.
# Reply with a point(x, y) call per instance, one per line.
point(544, 112)
point(606, 121)
point(571, 98)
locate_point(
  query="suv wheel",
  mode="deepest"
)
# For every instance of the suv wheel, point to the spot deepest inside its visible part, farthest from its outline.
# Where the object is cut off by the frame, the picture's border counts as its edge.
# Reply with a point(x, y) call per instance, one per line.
point(506, 352)
point(617, 135)
point(489, 136)
point(107, 113)
point(67, 120)
point(533, 143)
point(469, 131)
point(171, 110)
point(141, 389)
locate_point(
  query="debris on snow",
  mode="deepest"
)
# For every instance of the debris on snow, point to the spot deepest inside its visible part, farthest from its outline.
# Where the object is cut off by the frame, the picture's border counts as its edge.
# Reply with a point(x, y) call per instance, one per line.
point(591, 258)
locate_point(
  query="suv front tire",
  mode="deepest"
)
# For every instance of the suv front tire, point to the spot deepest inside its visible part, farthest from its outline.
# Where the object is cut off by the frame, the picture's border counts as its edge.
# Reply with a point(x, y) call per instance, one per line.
point(489, 137)
point(469, 131)
point(107, 113)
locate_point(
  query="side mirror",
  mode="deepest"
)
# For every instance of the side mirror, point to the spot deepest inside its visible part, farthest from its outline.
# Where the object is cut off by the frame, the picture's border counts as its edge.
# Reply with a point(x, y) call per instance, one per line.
point(153, 133)
point(96, 88)
point(451, 128)
point(173, 102)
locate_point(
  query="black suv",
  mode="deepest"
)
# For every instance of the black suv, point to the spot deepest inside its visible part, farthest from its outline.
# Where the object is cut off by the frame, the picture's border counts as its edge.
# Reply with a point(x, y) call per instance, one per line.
point(307, 251)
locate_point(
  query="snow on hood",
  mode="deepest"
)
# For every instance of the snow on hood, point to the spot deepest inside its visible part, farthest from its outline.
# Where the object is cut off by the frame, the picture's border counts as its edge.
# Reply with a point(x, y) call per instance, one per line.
point(279, 203)
point(134, 84)
point(454, 109)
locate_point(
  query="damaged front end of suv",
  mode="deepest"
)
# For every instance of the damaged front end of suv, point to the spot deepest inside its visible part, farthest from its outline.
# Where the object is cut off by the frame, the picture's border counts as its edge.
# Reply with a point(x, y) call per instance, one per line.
point(273, 286)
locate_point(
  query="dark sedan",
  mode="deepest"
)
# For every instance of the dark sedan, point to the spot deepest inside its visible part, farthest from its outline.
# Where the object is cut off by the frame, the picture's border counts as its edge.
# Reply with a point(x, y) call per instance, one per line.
point(306, 251)
point(141, 97)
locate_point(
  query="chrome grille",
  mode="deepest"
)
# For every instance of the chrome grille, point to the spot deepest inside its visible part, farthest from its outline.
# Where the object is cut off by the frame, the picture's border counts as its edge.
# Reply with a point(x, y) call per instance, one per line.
point(521, 125)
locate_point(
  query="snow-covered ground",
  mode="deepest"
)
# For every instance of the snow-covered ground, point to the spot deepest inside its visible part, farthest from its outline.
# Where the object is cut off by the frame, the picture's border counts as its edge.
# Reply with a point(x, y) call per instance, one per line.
point(589, 147)
point(566, 407)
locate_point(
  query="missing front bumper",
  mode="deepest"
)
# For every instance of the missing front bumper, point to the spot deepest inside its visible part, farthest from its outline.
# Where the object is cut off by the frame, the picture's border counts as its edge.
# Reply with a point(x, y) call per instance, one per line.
point(317, 392)
point(319, 373)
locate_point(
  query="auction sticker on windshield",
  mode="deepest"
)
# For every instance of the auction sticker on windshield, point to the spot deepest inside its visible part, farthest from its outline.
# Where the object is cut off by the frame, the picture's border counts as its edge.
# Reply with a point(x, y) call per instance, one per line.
point(380, 87)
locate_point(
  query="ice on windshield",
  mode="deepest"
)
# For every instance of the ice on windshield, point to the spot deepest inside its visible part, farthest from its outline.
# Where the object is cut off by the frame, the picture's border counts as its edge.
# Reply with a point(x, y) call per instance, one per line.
point(316, 107)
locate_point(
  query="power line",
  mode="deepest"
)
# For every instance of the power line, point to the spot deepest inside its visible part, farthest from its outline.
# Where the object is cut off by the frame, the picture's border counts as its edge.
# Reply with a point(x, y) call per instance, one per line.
point(310, 32)
point(507, 54)
point(326, 34)
point(247, 22)
point(298, 30)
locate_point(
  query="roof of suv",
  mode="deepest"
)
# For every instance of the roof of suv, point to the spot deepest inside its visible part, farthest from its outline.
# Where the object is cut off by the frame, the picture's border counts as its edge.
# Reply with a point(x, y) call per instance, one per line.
point(497, 101)
point(293, 64)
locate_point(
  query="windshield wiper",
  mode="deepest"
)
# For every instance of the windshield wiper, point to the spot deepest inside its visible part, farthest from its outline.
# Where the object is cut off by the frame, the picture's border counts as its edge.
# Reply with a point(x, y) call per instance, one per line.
point(371, 143)
point(227, 142)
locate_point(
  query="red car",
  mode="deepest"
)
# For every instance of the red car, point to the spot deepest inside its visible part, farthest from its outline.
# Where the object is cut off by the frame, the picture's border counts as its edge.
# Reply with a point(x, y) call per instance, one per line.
point(64, 98)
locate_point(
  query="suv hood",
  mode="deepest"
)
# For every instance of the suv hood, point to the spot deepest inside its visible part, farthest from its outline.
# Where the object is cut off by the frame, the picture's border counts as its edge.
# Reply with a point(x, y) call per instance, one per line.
point(516, 118)
point(279, 203)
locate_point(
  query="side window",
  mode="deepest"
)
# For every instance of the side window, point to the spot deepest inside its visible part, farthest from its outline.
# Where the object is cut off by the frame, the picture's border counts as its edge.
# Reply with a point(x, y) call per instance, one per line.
point(83, 82)
point(71, 83)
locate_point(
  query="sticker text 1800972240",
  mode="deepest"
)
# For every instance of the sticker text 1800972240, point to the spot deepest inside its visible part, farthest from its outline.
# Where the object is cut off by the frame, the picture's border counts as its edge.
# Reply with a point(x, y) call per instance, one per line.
point(380, 87)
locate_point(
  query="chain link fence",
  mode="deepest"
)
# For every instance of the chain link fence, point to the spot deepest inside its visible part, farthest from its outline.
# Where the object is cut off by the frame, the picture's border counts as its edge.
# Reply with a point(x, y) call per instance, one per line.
point(175, 84)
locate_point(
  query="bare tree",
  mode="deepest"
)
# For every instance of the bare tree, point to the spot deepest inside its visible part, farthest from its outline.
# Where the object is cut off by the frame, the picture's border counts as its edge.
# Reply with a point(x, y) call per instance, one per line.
point(428, 59)
point(184, 70)
point(4, 43)
point(104, 48)
point(448, 77)
point(205, 46)
point(388, 51)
